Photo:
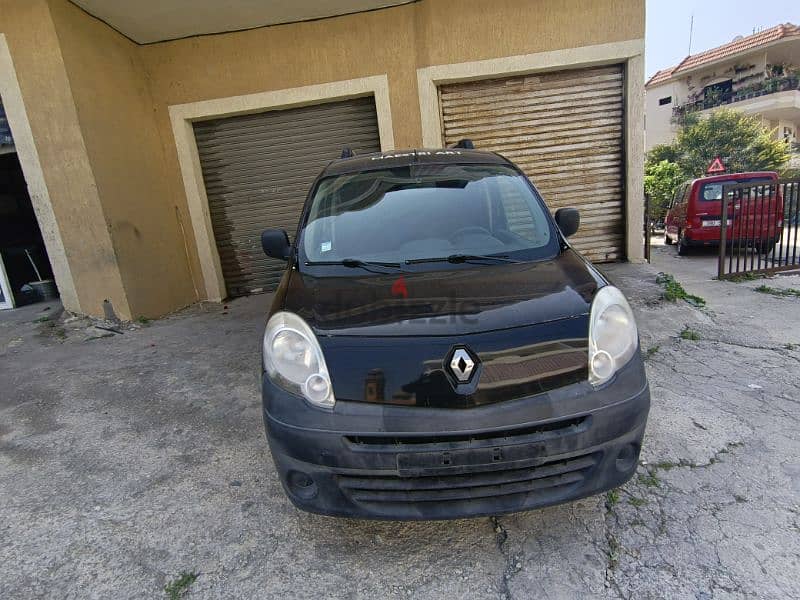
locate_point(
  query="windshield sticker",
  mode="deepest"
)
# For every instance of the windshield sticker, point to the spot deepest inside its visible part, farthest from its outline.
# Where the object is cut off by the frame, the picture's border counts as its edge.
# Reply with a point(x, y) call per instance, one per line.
point(325, 247)
point(399, 287)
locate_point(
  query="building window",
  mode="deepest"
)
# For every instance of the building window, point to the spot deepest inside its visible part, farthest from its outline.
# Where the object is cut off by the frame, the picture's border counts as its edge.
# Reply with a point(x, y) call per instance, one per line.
point(665, 100)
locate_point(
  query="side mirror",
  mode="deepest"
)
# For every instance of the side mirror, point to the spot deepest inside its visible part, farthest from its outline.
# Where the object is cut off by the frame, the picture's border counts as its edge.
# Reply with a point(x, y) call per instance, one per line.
point(568, 220)
point(275, 243)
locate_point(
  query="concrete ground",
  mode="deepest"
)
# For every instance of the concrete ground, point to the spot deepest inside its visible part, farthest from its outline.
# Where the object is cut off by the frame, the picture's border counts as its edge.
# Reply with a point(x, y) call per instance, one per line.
point(128, 460)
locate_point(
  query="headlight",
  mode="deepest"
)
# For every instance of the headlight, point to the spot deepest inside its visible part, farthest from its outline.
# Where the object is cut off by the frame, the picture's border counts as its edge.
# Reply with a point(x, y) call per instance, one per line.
point(294, 361)
point(613, 337)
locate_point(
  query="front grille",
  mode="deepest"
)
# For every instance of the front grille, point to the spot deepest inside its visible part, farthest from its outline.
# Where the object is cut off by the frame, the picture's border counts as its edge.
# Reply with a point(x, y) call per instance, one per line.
point(452, 441)
point(552, 478)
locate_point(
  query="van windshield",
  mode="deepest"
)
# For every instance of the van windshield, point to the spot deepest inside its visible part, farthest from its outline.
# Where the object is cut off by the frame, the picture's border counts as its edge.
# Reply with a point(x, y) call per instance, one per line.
point(713, 190)
point(427, 211)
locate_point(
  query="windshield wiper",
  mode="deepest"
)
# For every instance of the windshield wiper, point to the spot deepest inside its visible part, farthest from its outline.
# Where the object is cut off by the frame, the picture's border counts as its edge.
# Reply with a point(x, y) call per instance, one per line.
point(354, 263)
point(462, 258)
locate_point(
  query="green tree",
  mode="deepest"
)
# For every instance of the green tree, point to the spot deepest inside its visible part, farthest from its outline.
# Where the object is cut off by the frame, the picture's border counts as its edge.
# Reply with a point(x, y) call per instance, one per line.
point(660, 181)
point(742, 141)
point(661, 152)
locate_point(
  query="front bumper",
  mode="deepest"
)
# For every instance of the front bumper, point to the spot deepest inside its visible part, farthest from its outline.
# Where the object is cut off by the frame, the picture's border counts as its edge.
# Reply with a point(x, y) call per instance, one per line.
point(710, 236)
point(394, 462)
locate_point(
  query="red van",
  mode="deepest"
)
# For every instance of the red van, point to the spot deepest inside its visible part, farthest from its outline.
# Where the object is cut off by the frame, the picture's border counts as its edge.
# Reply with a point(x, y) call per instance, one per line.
point(695, 212)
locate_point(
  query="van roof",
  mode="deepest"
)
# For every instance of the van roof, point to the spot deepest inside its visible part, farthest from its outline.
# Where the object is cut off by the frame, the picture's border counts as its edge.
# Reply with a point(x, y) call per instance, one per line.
point(736, 176)
point(403, 158)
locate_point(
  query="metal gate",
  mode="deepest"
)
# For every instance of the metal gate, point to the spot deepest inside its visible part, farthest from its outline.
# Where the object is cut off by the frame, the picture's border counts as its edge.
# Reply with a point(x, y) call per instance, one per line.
point(258, 169)
point(565, 130)
point(759, 228)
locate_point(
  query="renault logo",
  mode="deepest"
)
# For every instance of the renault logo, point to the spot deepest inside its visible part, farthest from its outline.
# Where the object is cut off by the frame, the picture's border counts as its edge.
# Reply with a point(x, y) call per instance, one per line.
point(462, 365)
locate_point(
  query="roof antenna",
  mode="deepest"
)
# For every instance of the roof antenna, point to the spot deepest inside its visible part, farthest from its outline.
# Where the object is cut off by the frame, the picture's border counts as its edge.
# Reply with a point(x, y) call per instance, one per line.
point(691, 31)
point(348, 153)
point(466, 144)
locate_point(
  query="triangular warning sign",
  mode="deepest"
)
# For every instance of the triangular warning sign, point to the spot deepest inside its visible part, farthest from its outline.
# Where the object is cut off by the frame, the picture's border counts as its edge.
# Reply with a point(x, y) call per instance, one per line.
point(716, 166)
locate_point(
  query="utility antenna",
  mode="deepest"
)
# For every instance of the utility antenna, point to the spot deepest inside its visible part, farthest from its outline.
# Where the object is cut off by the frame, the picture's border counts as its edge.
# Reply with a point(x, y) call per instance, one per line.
point(691, 31)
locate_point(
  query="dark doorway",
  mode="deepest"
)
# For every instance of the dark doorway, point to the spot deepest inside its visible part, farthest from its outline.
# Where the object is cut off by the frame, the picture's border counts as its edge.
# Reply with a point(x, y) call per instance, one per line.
point(21, 245)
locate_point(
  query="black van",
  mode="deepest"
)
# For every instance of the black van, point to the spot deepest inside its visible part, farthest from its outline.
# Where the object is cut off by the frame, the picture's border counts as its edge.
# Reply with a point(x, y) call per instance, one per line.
point(436, 349)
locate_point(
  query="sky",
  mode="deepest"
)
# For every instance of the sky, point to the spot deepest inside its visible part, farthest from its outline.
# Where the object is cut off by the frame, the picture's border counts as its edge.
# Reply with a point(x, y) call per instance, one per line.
point(716, 22)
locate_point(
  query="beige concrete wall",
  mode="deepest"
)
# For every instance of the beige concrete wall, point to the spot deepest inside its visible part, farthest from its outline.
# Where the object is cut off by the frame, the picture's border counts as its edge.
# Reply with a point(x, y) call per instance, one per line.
point(115, 111)
point(63, 168)
point(120, 95)
point(467, 30)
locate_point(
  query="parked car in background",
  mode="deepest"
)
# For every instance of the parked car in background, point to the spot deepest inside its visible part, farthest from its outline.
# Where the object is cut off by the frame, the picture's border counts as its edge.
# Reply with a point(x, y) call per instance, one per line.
point(694, 216)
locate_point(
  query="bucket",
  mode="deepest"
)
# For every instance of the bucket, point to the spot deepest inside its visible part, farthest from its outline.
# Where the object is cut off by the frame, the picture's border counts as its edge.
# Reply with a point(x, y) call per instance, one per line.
point(46, 289)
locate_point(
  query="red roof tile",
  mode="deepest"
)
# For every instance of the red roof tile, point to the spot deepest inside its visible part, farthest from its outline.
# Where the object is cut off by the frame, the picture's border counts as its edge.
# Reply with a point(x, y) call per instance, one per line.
point(757, 40)
point(660, 76)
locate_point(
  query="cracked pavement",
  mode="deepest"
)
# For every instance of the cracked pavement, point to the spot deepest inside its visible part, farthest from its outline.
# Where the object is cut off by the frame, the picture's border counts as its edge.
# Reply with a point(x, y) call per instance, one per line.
point(128, 460)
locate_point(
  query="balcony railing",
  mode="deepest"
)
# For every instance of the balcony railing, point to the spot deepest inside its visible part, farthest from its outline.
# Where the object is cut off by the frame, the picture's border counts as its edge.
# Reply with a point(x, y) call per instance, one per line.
point(764, 88)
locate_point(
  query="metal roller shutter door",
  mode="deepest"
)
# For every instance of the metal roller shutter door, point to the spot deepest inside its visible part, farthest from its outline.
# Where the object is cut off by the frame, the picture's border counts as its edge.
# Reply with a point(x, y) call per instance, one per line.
point(565, 131)
point(258, 169)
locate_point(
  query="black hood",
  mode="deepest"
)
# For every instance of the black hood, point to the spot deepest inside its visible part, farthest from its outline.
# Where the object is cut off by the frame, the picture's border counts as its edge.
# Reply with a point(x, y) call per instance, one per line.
point(457, 301)
point(389, 338)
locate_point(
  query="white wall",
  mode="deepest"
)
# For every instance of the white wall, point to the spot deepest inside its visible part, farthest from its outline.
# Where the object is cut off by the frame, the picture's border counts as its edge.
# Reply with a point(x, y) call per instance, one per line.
point(658, 127)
